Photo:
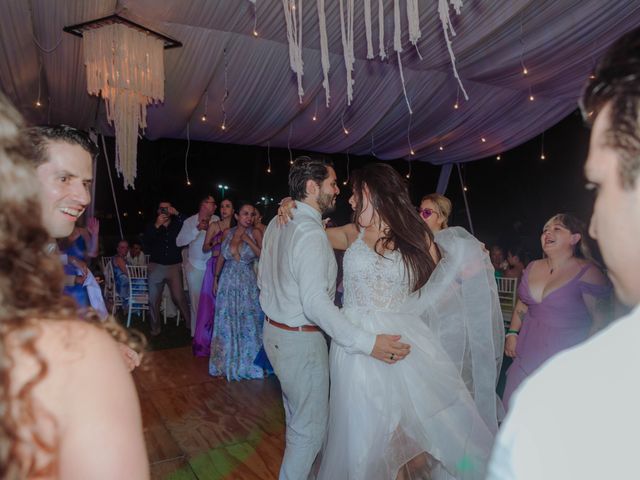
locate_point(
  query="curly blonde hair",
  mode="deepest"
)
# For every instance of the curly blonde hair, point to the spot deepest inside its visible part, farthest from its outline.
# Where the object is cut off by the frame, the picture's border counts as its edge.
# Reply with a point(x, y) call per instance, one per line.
point(443, 204)
point(31, 283)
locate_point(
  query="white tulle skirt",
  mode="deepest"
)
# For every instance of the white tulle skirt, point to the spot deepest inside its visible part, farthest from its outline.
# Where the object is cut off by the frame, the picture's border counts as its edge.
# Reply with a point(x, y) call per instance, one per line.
point(383, 417)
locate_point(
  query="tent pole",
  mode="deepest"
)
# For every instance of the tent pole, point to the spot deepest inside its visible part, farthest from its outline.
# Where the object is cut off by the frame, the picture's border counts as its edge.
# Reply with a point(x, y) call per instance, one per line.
point(466, 203)
point(443, 181)
point(113, 192)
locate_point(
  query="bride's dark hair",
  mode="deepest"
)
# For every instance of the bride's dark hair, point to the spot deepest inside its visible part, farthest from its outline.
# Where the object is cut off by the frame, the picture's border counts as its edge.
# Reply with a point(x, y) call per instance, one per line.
point(406, 231)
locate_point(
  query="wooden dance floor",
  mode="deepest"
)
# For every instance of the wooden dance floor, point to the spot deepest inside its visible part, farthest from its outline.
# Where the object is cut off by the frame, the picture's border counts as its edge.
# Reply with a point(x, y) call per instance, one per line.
point(200, 427)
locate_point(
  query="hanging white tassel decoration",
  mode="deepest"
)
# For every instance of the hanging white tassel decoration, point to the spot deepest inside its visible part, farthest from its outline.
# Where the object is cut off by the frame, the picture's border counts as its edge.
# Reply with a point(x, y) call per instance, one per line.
point(324, 50)
point(413, 17)
point(347, 45)
point(367, 28)
point(445, 19)
point(397, 27)
point(294, 37)
point(382, 51)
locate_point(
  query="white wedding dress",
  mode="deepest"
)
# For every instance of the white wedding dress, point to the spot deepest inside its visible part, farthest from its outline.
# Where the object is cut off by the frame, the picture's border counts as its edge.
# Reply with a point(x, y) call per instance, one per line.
point(382, 416)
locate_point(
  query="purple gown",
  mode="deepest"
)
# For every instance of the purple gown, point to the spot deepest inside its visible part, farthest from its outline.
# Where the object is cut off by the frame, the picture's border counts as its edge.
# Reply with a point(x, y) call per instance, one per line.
point(206, 306)
point(560, 321)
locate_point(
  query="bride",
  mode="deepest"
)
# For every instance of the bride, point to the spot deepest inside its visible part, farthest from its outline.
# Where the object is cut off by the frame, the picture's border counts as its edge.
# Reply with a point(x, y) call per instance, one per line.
point(433, 415)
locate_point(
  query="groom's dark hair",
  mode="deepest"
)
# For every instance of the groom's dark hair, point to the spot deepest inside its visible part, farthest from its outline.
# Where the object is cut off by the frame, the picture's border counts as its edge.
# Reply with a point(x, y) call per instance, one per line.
point(305, 169)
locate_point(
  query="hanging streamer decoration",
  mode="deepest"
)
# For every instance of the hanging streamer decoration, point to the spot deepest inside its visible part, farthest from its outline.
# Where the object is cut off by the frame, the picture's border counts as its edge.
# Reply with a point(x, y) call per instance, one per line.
point(447, 26)
point(346, 31)
point(324, 50)
point(294, 36)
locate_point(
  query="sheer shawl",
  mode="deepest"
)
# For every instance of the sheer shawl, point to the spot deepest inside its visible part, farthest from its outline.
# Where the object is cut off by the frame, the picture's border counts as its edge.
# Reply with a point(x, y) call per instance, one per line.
point(460, 304)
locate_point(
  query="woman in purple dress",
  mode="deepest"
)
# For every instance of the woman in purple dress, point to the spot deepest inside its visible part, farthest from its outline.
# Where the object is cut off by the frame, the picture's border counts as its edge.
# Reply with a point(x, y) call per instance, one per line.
point(562, 300)
point(207, 305)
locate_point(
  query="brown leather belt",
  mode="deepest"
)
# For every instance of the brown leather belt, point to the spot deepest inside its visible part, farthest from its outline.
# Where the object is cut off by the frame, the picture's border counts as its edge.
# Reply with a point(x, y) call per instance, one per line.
point(301, 328)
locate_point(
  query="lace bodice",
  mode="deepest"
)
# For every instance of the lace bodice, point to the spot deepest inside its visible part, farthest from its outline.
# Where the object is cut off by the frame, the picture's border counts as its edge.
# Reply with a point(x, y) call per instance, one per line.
point(372, 281)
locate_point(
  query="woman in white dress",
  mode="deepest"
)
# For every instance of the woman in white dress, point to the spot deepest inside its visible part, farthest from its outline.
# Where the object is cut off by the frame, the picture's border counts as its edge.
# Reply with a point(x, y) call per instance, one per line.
point(432, 415)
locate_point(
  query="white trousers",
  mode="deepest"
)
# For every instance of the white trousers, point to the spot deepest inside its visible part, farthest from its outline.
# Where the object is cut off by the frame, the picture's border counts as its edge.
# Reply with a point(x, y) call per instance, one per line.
point(195, 277)
point(301, 362)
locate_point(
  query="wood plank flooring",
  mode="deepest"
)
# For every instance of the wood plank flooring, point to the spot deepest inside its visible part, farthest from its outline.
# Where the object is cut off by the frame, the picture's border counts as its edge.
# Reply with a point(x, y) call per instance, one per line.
point(201, 427)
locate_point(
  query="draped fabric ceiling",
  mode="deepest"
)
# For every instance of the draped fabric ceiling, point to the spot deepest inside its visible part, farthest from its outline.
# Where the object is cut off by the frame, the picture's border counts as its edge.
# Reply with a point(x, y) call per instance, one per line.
point(557, 40)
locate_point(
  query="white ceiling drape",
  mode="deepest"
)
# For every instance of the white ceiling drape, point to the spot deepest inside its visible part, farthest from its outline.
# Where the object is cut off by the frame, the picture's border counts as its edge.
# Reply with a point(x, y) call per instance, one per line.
point(557, 40)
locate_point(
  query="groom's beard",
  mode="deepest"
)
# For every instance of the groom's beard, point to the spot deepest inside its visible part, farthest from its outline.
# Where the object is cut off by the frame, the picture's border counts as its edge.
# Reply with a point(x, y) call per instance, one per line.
point(326, 203)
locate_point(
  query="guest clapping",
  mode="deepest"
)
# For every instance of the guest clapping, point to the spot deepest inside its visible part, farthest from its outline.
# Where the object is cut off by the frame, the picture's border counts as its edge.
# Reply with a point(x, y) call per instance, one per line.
point(237, 330)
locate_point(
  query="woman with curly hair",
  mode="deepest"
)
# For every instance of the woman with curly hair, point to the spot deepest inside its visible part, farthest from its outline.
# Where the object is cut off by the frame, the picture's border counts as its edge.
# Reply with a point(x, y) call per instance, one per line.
point(58, 417)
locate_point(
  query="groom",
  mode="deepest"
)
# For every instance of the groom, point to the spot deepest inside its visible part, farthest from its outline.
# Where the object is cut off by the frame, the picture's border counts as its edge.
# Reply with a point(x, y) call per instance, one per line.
point(297, 279)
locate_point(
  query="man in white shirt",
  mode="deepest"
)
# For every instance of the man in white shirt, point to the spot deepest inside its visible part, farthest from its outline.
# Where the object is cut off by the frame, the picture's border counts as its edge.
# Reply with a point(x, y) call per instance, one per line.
point(297, 279)
point(579, 415)
point(192, 233)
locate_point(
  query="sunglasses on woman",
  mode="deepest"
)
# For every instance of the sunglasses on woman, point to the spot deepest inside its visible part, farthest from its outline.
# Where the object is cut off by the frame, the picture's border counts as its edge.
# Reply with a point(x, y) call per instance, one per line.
point(427, 212)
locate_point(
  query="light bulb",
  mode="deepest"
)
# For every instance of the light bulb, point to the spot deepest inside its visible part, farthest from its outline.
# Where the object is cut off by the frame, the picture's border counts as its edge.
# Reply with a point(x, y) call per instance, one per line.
point(408, 175)
point(465, 189)
point(139, 212)
point(592, 76)
point(38, 104)
point(542, 157)
point(344, 183)
point(412, 152)
point(531, 98)
point(223, 126)
point(525, 71)
point(456, 106)
point(290, 162)
point(314, 118)
point(498, 157)
point(255, 33)
point(441, 148)
point(204, 117)
point(484, 140)
point(188, 183)
point(346, 132)
point(269, 170)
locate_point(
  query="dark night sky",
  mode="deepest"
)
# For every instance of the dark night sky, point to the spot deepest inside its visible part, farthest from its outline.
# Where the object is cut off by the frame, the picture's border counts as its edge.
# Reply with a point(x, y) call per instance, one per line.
point(509, 199)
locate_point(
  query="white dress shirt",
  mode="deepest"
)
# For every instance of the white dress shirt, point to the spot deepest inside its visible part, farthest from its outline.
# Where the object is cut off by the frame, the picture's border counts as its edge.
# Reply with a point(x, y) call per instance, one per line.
point(190, 235)
point(297, 279)
point(578, 416)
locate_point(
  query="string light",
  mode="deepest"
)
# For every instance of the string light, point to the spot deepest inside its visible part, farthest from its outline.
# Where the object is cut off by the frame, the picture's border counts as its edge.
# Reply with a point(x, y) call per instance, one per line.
point(186, 157)
point(206, 106)
point(289, 144)
point(408, 175)
point(315, 113)
point(255, 19)
point(226, 92)
point(411, 151)
point(542, 155)
point(346, 181)
point(268, 157)
point(38, 104)
point(465, 188)
point(344, 129)
point(525, 71)
point(457, 104)
point(484, 140)
point(441, 148)
point(530, 94)
point(499, 157)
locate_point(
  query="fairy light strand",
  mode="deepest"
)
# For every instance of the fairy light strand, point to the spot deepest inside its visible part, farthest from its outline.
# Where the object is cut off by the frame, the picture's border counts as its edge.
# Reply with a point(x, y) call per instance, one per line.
point(315, 113)
point(542, 155)
point(206, 106)
point(346, 181)
point(344, 128)
point(411, 151)
point(38, 103)
point(186, 157)
point(255, 19)
point(408, 175)
point(226, 92)
point(268, 157)
point(289, 144)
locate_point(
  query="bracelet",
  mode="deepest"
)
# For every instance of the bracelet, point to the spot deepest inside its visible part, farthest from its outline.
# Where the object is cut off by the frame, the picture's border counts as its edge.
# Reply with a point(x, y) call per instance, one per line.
point(512, 332)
